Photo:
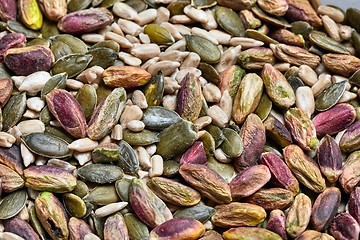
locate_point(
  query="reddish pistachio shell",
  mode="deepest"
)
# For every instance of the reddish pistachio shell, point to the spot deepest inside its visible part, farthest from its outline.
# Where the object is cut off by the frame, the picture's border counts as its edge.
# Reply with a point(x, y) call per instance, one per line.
point(179, 229)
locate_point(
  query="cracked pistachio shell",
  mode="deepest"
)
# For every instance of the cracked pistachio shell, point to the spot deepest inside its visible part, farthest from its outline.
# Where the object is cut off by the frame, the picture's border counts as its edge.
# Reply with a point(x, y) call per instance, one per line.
point(67, 111)
point(199, 212)
point(10, 180)
point(350, 141)
point(249, 233)
point(206, 181)
point(102, 195)
point(325, 208)
point(52, 215)
point(106, 114)
point(30, 14)
point(85, 21)
point(158, 34)
point(229, 21)
point(176, 139)
point(178, 228)
point(278, 89)
point(304, 168)
point(154, 90)
point(136, 228)
point(301, 128)
point(72, 64)
point(298, 216)
point(173, 192)
point(207, 50)
point(253, 137)
point(46, 145)
point(49, 178)
point(12, 204)
point(238, 214)
point(100, 173)
point(247, 97)
point(13, 110)
point(147, 206)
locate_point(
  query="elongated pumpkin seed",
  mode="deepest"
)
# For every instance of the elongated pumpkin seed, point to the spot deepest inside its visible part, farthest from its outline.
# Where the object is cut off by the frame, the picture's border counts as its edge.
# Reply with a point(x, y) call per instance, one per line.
point(229, 21)
point(72, 64)
point(100, 173)
point(159, 118)
point(320, 39)
point(14, 110)
point(57, 81)
point(206, 49)
point(330, 96)
point(12, 204)
point(128, 160)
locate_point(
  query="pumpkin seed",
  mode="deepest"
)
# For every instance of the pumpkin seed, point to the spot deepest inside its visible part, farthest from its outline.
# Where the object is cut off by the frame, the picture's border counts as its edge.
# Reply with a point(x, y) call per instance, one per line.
point(200, 4)
point(206, 49)
point(177, 8)
point(229, 21)
point(226, 171)
point(87, 98)
point(74, 205)
point(301, 27)
point(100, 173)
point(353, 16)
point(355, 78)
point(12, 204)
point(251, 33)
point(295, 82)
point(209, 73)
point(46, 145)
point(14, 110)
point(60, 49)
point(151, 3)
point(72, 64)
point(36, 224)
point(171, 168)
point(158, 34)
point(109, 3)
point(143, 138)
point(15, 26)
point(159, 118)
point(138, 5)
point(107, 44)
point(49, 29)
point(60, 133)
point(122, 188)
point(102, 56)
point(136, 228)
point(57, 81)
point(232, 144)
point(327, 43)
point(102, 195)
point(216, 133)
point(200, 212)
point(154, 90)
point(76, 5)
point(264, 108)
point(128, 159)
point(330, 96)
point(76, 44)
point(278, 22)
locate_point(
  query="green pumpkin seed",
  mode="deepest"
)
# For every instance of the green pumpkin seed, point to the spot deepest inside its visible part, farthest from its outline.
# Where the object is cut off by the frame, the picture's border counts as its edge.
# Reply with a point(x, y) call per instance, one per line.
point(264, 107)
point(176, 139)
point(76, 44)
point(128, 160)
point(13, 110)
point(102, 92)
point(208, 142)
point(15, 26)
point(12, 204)
point(109, 3)
point(353, 16)
point(154, 90)
point(171, 168)
point(74, 205)
point(206, 49)
point(136, 228)
point(177, 8)
point(39, 41)
point(57, 81)
point(278, 22)
point(49, 29)
point(200, 212)
point(60, 49)
point(106, 153)
point(60, 133)
point(3, 72)
point(122, 188)
point(151, 3)
point(295, 82)
point(46, 116)
point(98, 225)
point(81, 189)
point(200, 4)
point(102, 195)
point(232, 144)
point(330, 96)
point(138, 5)
point(107, 44)
point(100, 173)
point(143, 138)
point(158, 34)
point(355, 78)
point(76, 5)
point(159, 118)
point(301, 27)
point(251, 33)
point(36, 224)
point(226, 171)
point(229, 21)
point(103, 57)
point(46, 145)
point(356, 42)
point(327, 43)
point(87, 98)
point(209, 73)
point(216, 133)
point(72, 64)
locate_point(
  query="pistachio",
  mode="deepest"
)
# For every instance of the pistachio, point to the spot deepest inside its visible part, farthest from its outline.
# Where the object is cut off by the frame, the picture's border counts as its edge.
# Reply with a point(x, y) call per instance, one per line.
point(255, 58)
point(303, 11)
point(195, 154)
point(353, 204)
point(10, 180)
point(85, 21)
point(11, 157)
point(125, 76)
point(344, 65)
point(311, 234)
point(276, 223)
point(248, 233)
point(274, 7)
point(349, 178)
point(272, 198)
point(20, 227)
point(288, 37)
point(344, 226)
point(114, 227)
point(54, 10)
point(11, 40)
point(30, 14)
point(350, 140)
point(298, 216)
point(78, 228)
point(8, 10)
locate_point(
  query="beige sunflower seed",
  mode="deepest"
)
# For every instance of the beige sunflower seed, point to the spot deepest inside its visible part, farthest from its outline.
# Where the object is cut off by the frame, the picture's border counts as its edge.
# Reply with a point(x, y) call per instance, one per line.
point(110, 209)
point(163, 15)
point(211, 23)
point(336, 14)
point(218, 116)
point(323, 83)
point(182, 19)
point(83, 145)
point(129, 59)
point(331, 27)
point(124, 11)
point(157, 166)
point(129, 27)
point(203, 33)
point(220, 36)
point(146, 16)
point(93, 37)
point(305, 100)
point(191, 61)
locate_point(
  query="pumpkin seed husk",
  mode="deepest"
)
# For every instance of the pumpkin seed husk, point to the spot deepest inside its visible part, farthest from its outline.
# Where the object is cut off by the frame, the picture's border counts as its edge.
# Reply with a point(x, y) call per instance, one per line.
point(46, 145)
point(206, 49)
point(295, 82)
point(229, 21)
point(158, 34)
point(72, 64)
point(12, 204)
point(264, 108)
point(107, 44)
point(102, 195)
point(76, 45)
point(159, 118)
point(57, 81)
point(15, 26)
point(3, 72)
point(327, 43)
point(100, 173)
point(330, 96)
point(278, 21)
point(143, 138)
point(128, 159)
point(200, 212)
point(74, 205)
point(154, 90)
point(151, 3)
point(216, 133)
point(87, 98)
point(102, 56)
point(76, 5)
point(355, 78)
point(200, 4)
point(14, 110)
point(36, 224)
point(60, 49)
point(136, 228)
point(209, 73)
point(232, 144)
point(122, 188)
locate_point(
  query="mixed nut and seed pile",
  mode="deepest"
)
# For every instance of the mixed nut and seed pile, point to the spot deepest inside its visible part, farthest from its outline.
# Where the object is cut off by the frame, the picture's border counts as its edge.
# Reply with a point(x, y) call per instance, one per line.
point(165, 119)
